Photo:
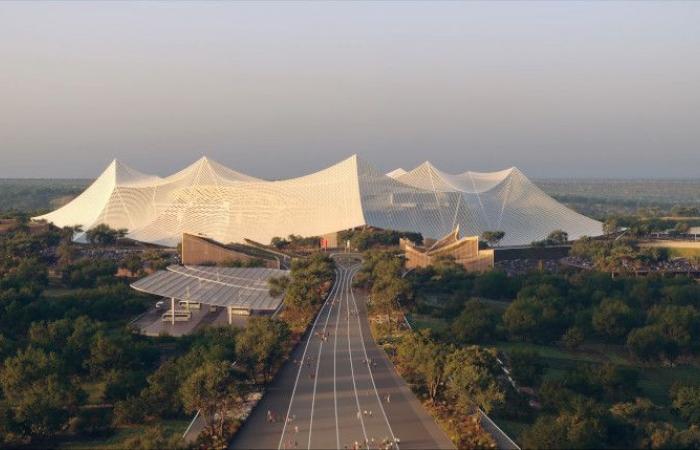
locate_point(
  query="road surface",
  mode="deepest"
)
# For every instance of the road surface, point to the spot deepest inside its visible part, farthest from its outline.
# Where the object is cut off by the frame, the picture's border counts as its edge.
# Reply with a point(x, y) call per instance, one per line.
point(339, 390)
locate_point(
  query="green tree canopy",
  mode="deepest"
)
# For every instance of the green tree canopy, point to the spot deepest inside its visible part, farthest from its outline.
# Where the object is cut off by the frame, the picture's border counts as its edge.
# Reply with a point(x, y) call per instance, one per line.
point(261, 344)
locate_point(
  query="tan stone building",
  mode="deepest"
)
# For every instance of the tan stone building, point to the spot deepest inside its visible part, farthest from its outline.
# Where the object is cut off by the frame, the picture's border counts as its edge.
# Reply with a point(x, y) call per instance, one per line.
point(465, 251)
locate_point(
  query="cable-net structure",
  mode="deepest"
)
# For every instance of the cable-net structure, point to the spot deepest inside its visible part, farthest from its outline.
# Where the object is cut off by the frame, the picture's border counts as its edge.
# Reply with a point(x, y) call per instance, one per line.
point(209, 199)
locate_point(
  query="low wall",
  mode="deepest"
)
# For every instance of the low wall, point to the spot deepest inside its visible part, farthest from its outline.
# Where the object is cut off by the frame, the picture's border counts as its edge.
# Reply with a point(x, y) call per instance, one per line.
point(505, 254)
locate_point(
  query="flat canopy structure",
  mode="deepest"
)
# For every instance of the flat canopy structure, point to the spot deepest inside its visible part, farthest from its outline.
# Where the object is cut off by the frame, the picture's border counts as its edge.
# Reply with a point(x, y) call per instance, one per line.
point(232, 287)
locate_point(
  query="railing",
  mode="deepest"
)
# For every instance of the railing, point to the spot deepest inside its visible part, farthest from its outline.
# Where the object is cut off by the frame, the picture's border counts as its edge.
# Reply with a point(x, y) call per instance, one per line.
point(189, 427)
point(503, 441)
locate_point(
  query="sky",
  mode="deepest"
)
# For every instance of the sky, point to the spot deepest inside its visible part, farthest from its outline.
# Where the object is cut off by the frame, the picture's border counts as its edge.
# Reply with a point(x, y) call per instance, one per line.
point(558, 89)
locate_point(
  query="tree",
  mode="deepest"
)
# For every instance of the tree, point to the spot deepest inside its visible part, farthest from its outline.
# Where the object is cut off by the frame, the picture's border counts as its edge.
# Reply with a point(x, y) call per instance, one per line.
point(154, 438)
point(278, 285)
point(133, 263)
point(66, 253)
point(279, 243)
point(386, 294)
point(641, 409)
point(539, 317)
point(681, 228)
point(558, 237)
point(583, 426)
point(471, 379)
point(493, 237)
point(477, 323)
point(34, 382)
point(388, 286)
point(215, 391)
point(261, 344)
point(46, 406)
point(684, 211)
point(613, 318)
point(105, 235)
point(157, 398)
point(24, 369)
point(649, 343)
point(686, 400)
point(105, 353)
point(527, 366)
point(573, 338)
point(679, 324)
point(424, 361)
point(10, 430)
point(89, 273)
point(130, 411)
point(610, 225)
point(689, 439)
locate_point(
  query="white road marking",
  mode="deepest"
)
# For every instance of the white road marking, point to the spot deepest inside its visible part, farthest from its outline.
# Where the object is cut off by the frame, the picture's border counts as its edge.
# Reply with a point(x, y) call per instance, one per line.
point(352, 372)
point(369, 366)
point(303, 358)
point(335, 367)
point(318, 362)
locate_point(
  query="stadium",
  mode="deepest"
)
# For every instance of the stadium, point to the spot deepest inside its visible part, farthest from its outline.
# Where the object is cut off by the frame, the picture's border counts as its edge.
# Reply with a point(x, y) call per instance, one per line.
point(209, 199)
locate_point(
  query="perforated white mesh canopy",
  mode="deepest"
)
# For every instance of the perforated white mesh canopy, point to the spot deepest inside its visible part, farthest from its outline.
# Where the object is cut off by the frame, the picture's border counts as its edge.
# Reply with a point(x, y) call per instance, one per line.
point(221, 286)
point(209, 199)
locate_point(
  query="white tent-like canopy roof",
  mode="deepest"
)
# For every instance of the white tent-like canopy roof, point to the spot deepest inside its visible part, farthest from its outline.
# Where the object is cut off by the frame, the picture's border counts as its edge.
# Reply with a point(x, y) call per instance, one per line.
point(235, 287)
point(210, 199)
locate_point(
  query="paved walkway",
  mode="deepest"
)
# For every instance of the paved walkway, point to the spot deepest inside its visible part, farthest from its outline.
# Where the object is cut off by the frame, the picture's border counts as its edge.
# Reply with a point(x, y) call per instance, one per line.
point(329, 396)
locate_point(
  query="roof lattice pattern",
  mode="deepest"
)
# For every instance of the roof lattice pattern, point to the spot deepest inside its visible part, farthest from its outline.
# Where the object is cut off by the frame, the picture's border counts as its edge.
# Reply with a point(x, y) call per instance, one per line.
point(209, 199)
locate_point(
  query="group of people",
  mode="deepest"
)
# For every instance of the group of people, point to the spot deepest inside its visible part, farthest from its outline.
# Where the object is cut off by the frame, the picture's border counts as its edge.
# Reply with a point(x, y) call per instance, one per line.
point(323, 335)
point(386, 444)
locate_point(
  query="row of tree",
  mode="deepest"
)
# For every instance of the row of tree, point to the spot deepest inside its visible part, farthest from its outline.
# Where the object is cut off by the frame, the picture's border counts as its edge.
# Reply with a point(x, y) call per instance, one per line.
point(304, 289)
point(215, 376)
point(366, 238)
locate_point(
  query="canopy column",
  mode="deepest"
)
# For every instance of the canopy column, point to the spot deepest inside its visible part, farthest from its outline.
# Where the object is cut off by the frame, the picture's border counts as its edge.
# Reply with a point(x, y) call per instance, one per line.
point(172, 310)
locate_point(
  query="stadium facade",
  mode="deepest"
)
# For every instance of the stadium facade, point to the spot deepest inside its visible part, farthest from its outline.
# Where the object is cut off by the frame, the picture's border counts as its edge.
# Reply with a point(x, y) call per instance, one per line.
point(211, 200)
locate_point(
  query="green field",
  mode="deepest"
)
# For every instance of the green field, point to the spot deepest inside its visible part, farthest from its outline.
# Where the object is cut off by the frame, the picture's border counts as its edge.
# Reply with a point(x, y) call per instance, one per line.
point(654, 382)
point(683, 252)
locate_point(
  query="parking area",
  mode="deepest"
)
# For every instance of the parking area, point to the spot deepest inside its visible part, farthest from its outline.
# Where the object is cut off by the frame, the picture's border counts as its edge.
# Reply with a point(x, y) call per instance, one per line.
point(192, 297)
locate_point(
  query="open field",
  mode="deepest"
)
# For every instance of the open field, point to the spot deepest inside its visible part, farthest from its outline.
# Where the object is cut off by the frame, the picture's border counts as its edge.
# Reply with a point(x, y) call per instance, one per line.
point(677, 249)
point(602, 197)
point(29, 195)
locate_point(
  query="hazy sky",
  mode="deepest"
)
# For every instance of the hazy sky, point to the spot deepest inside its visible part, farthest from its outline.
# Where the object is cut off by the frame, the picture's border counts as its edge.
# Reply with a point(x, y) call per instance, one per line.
point(279, 89)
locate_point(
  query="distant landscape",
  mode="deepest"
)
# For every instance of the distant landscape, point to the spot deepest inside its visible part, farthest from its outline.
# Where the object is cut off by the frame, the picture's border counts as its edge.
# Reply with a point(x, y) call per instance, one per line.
point(38, 195)
point(598, 198)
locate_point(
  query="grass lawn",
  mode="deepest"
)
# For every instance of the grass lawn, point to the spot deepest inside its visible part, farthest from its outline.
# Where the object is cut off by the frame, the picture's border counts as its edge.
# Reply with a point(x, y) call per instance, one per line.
point(419, 321)
point(654, 382)
point(121, 435)
point(677, 252)
point(510, 427)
